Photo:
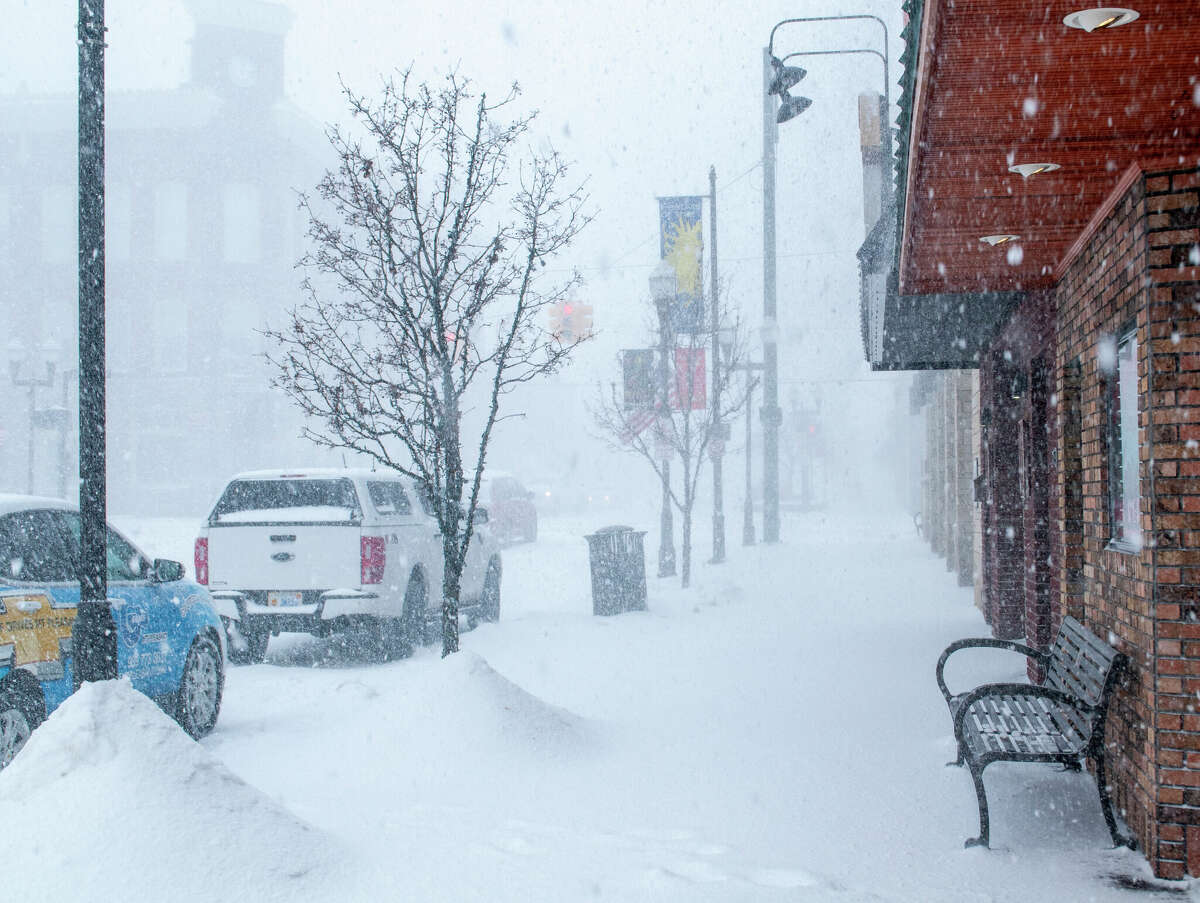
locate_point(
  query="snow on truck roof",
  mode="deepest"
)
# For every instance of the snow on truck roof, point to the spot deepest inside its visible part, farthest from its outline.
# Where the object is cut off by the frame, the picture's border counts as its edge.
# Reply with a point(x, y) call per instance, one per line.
point(10, 502)
point(299, 473)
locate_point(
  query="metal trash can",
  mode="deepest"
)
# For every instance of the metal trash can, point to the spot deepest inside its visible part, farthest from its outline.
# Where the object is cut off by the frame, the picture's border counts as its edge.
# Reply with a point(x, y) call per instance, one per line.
point(618, 570)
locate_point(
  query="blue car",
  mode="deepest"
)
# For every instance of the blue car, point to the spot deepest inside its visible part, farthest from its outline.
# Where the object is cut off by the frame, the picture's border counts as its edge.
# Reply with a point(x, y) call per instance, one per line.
point(170, 643)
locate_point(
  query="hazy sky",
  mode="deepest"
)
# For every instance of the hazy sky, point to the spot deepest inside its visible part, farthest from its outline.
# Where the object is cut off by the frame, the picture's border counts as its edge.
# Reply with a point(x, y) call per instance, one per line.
point(644, 96)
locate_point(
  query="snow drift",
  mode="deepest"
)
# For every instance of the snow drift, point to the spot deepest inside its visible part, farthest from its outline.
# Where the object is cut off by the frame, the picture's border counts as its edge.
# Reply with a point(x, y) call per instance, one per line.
point(110, 791)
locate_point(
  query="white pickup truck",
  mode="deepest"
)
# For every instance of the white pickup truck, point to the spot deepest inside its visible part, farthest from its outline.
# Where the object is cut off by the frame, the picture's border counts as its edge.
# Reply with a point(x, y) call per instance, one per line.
point(328, 550)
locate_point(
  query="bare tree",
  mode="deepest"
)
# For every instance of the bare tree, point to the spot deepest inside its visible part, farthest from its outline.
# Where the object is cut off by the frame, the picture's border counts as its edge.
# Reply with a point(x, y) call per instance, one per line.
point(682, 422)
point(426, 292)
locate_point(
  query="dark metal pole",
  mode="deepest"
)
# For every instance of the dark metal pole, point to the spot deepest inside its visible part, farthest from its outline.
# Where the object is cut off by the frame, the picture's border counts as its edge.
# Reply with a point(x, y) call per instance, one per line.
point(666, 542)
point(718, 431)
point(94, 635)
point(748, 504)
point(771, 415)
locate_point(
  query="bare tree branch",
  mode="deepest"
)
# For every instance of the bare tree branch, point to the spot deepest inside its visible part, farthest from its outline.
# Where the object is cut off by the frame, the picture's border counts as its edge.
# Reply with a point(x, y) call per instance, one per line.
point(424, 294)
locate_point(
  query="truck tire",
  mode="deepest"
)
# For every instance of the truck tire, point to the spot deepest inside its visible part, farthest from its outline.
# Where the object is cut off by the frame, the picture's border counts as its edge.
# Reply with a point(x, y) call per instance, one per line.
point(489, 599)
point(22, 709)
point(415, 601)
point(245, 646)
point(198, 702)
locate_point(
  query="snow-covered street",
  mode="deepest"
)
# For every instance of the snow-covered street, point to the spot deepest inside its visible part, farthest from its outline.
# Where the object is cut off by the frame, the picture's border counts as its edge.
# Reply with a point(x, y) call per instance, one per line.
point(774, 733)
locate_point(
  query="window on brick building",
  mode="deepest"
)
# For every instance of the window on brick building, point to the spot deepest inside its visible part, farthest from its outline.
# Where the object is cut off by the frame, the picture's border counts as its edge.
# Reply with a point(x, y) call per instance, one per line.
point(1124, 489)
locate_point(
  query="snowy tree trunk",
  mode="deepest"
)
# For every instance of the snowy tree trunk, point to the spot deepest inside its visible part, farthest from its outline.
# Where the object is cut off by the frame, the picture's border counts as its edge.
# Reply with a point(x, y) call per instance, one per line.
point(451, 584)
point(454, 542)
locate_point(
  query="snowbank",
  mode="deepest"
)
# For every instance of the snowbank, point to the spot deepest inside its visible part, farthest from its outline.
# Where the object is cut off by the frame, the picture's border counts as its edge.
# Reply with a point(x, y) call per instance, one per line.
point(110, 800)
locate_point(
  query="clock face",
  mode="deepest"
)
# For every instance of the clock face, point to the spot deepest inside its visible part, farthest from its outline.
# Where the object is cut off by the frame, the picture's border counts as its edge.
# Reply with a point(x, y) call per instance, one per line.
point(243, 72)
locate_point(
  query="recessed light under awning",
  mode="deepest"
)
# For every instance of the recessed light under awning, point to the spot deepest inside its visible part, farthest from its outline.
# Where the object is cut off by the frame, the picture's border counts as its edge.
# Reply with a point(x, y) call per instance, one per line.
point(999, 238)
point(1032, 169)
point(1103, 17)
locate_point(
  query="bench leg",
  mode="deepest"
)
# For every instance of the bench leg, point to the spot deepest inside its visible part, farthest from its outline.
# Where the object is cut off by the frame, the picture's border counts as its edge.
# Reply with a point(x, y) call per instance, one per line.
point(961, 756)
point(1106, 805)
point(981, 798)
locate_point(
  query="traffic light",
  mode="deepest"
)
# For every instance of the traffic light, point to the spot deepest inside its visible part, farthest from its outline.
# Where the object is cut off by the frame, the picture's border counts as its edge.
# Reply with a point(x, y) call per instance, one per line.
point(570, 322)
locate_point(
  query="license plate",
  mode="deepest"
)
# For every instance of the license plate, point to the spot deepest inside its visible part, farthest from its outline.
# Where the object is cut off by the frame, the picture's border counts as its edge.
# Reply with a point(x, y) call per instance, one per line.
point(280, 599)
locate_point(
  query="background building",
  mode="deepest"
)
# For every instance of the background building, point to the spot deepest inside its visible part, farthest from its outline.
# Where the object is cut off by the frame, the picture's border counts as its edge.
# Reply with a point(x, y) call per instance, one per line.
point(202, 237)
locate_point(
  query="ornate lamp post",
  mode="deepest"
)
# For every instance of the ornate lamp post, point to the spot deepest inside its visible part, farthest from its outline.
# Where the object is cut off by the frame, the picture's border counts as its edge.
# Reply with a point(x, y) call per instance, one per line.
point(662, 290)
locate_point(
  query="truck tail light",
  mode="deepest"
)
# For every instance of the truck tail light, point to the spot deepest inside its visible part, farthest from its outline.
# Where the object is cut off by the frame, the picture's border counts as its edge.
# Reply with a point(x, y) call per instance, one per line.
point(202, 560)
point(374, 557)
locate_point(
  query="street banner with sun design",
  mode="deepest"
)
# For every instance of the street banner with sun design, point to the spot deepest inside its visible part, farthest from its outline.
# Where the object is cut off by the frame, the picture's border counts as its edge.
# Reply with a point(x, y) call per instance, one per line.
point(681, 244)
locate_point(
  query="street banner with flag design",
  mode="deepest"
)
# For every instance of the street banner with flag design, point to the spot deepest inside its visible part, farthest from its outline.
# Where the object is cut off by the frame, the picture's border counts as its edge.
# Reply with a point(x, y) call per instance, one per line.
point(690, 393)
point(681, 244)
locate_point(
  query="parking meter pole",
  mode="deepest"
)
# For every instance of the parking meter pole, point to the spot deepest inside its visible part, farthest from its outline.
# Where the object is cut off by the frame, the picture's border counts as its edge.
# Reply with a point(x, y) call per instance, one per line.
point(94, 635)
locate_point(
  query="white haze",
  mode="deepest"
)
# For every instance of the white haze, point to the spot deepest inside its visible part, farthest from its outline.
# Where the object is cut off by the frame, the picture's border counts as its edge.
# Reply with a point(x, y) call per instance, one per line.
point(644, 97)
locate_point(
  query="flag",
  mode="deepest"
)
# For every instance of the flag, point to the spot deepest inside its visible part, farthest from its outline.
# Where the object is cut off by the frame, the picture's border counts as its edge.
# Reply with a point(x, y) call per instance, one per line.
point(690, 393)
point(636, 421)
point(637, 369)
point(681, 244)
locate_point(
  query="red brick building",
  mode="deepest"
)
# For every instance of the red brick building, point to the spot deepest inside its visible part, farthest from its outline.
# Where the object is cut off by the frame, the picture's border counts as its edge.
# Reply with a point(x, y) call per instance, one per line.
point(1048, 235)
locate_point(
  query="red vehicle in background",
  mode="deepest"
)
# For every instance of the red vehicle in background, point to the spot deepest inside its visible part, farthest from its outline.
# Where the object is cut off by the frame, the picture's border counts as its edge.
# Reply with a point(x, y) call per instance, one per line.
point(511, 512)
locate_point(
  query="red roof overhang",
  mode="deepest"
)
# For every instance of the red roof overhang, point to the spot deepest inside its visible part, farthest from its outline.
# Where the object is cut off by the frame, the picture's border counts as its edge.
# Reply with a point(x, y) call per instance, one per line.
point(1001, 82)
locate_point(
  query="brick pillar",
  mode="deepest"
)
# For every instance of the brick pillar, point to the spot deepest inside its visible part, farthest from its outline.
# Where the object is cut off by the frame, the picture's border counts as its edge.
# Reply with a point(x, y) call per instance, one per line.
point(1070, 477)
point(965, 540)
point(977, 521)
point(1007, 601)
point(949, 469)
point(935, 524)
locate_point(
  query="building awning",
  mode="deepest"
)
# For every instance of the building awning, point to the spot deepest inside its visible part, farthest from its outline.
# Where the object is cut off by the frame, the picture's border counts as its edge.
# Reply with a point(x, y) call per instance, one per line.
point(937, 331)
point(993, 84)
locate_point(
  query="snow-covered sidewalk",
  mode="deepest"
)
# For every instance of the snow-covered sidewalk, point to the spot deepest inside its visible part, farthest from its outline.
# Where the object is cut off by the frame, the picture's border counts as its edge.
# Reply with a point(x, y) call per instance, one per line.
point(774, 733)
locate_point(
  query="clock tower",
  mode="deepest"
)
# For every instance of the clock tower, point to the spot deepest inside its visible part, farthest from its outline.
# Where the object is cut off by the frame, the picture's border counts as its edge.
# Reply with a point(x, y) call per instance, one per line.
point(237, 49)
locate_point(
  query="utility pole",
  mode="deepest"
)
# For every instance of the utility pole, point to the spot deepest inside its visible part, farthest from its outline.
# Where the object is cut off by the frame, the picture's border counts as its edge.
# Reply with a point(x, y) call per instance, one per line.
point(93, 635)
point(717, 438)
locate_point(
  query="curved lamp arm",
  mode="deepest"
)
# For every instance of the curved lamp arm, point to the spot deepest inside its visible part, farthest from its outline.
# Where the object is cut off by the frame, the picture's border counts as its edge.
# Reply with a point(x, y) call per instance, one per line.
point(778, 25)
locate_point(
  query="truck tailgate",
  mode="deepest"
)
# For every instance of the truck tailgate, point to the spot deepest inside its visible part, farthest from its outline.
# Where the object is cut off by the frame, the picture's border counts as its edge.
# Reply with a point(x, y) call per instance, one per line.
point(292, 556)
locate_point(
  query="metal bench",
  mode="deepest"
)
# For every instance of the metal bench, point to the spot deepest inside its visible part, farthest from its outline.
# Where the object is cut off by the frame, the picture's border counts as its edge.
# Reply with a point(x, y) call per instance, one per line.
point(1061, 720)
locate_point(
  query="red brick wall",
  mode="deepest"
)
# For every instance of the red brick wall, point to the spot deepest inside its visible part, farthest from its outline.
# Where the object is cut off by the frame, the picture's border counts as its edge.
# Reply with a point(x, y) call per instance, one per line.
point(1173, 233)
point(1102, 290)
point(1138, 267)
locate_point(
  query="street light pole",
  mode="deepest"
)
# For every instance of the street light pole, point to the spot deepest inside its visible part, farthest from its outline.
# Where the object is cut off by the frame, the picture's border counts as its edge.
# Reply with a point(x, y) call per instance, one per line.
point(748, 503)
point(666, 541)
point(771, 414)
point(93, 634)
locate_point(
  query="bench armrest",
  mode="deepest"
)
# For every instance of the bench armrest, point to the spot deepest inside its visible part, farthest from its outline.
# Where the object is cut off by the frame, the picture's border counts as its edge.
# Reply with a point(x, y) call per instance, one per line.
point(984, 643)
point(1016, 690)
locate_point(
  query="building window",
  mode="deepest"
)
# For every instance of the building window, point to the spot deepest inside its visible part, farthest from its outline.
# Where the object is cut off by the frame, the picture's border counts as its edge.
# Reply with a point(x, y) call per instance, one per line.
point(170, 221)
point(118, 221)
point(60, 225)
point(1124, 490)
point(170, 336)
point(243, 223)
